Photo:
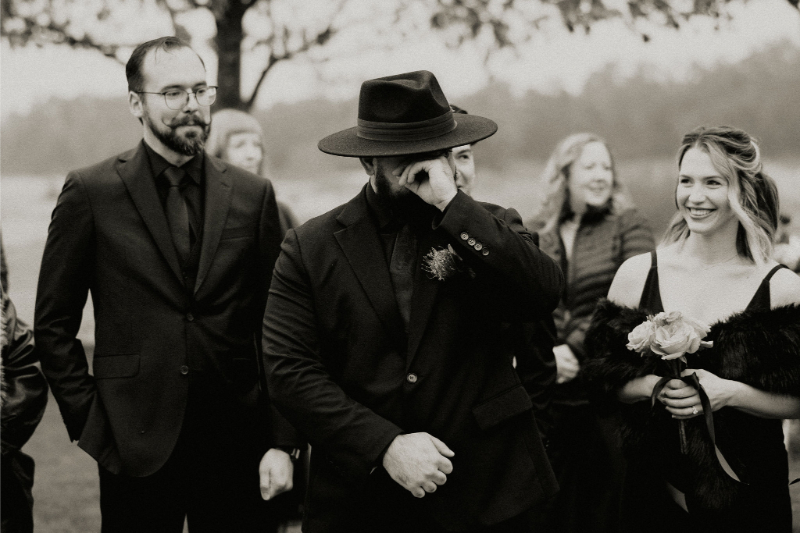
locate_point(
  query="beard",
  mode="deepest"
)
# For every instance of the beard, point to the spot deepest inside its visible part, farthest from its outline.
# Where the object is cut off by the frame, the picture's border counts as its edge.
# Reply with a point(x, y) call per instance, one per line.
point(401, 201)
point(190, 143)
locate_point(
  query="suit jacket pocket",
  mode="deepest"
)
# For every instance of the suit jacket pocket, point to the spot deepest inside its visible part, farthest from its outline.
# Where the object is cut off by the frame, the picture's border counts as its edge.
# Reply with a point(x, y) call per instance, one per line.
point(116, 366)
point(502, 407)
point(237, 233)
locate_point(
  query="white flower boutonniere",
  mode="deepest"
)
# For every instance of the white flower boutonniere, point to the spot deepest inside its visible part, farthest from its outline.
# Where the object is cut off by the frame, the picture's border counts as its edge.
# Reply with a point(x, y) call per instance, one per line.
point(444, 263)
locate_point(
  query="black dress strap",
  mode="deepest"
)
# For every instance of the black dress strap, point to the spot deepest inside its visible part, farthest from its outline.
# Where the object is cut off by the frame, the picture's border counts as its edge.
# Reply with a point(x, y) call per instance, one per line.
point(761, 299)
point(651, 295)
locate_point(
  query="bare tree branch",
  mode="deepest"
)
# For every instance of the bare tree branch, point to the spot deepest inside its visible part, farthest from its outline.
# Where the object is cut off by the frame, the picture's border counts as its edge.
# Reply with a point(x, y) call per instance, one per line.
point(472, 17)
point(503, 23)
point(286, 53)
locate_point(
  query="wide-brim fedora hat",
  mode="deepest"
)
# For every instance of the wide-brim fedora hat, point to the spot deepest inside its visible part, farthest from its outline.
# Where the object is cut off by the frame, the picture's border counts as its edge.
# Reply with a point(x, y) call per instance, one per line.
point(405, 114)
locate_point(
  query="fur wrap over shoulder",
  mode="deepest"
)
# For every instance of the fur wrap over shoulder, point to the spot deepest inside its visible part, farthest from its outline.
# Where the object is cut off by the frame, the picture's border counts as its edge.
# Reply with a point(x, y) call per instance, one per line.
point(760, 348)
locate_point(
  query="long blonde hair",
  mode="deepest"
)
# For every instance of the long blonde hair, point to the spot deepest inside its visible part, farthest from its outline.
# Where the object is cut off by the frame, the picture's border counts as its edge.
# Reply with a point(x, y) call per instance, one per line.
point(753, 196)
point(554, 180)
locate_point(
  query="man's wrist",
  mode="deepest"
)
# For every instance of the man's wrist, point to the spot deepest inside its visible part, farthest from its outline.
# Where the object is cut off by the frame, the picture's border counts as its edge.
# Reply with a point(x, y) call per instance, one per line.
point(441, 206)
point(293, 453)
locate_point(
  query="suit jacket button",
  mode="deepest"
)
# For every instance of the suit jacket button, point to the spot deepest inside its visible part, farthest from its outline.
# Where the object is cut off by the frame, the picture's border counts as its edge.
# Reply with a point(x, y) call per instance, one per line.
point(464, 236)
point(190, 317)
point(478, 246)
point(184, 370)
point(471, 242)
point(486, 252)
point(412, 378)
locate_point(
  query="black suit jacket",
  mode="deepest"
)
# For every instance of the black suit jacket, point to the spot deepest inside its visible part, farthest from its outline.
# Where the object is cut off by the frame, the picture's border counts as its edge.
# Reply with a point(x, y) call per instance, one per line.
point(342, 370)
point(109, 236)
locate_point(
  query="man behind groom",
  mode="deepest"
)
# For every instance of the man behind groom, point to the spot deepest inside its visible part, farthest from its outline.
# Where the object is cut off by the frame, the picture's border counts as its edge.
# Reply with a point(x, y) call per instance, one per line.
point(177, 250)
point(386, 333)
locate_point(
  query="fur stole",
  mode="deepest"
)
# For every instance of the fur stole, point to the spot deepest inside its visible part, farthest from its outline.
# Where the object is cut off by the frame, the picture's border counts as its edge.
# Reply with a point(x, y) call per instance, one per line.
point(760, 348)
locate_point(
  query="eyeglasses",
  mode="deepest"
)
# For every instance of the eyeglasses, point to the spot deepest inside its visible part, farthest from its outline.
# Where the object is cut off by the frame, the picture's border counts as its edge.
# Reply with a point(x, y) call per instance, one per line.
point(177, 99)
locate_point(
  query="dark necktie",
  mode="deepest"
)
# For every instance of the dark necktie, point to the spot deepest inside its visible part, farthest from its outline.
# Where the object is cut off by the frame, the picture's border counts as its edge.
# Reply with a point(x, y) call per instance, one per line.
point(401, 268)
point(177, 213)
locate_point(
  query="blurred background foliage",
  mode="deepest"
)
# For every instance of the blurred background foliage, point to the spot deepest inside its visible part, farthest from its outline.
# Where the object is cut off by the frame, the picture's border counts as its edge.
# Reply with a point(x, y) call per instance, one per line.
point(269, 32)
point(640, 118)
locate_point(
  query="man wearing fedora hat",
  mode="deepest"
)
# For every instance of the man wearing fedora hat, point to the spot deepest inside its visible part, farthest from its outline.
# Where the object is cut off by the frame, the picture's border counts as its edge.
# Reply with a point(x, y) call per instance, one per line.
point(386, 333)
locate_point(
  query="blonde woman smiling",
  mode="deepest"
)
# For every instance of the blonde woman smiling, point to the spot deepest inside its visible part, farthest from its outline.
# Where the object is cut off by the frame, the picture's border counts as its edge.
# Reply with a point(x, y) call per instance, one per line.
point(715, 267)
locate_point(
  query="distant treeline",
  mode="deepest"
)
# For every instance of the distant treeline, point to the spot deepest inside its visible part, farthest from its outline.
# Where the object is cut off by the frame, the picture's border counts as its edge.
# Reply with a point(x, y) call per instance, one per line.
point(640, 118)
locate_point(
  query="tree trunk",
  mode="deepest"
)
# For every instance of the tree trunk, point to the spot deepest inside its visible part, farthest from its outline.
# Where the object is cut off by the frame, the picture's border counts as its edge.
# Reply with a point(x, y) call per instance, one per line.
point(229, 52)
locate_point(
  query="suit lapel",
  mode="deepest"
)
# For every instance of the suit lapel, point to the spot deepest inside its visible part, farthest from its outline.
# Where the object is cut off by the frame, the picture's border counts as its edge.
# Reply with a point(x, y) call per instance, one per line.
point(134, 169)
point(425, 291)
point(218, 202)
point(361, 245)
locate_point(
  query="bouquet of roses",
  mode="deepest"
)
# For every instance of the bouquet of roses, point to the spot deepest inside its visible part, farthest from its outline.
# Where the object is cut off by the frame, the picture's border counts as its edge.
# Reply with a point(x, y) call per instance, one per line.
point(670, 336)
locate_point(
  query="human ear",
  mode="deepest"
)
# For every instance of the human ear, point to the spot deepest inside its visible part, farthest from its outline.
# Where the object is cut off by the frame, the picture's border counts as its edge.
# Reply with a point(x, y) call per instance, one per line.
point(135, 104)
point(369, 165)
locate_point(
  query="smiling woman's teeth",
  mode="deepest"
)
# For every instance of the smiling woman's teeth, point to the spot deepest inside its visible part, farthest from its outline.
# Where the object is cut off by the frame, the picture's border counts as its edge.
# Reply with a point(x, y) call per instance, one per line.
point(699, 212)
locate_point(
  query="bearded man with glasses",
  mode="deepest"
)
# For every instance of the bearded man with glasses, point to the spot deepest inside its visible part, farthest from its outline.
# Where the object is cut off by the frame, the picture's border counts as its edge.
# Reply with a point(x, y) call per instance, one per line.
point(177, 249)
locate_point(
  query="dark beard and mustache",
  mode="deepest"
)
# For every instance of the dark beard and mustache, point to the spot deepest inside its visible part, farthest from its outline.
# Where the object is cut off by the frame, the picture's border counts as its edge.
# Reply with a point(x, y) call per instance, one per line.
point(403, 203)
point(190, 144)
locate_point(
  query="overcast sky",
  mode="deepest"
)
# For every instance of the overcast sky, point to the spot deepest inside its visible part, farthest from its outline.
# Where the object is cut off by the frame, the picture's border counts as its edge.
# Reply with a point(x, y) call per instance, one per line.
point(553, 60)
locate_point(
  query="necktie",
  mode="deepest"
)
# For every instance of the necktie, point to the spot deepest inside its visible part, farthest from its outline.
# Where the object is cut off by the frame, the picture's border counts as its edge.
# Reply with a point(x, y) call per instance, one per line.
point(401, 269)
point(177, 213)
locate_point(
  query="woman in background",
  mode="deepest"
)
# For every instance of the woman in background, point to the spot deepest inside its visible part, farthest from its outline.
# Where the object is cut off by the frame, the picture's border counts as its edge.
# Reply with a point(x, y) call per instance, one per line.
point(714, 266)
point(590, 227)
point(236, 137)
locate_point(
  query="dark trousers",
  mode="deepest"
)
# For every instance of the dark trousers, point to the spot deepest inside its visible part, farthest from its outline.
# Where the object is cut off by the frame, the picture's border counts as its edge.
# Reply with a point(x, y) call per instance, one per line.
point(211, 479)
point(423, 523)
point(394, 510)
point(585, 452)
point(17, 500)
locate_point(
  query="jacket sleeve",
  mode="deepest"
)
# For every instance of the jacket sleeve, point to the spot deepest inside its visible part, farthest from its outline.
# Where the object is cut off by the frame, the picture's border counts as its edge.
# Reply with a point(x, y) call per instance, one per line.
point(523, 281)
point(536, 367)
point(24, 388)
point(282, 433)
point(64, 280)
point(351, 436)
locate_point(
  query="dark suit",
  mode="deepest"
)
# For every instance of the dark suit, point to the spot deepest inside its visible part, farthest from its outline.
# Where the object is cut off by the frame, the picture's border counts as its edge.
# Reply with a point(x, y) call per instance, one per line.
point(342, 369)
point(163, 348)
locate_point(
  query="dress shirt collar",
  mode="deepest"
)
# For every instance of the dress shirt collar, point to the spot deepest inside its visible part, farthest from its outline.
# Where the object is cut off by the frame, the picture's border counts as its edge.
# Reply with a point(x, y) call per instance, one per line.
point(193, 167)
point(380, 209)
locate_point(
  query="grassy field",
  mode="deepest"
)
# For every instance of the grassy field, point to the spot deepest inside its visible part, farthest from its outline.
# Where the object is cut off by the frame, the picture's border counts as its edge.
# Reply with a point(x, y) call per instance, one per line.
point(66, 491)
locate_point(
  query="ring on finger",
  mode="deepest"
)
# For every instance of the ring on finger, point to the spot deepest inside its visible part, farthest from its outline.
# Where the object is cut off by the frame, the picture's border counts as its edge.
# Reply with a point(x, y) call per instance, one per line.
point(694, 409)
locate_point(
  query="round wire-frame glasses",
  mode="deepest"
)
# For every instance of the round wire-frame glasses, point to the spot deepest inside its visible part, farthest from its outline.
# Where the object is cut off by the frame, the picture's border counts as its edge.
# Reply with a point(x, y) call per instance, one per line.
point(176, 99)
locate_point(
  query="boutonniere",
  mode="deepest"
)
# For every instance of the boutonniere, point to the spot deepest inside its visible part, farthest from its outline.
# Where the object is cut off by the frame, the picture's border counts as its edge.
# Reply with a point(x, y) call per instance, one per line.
point(445, 263)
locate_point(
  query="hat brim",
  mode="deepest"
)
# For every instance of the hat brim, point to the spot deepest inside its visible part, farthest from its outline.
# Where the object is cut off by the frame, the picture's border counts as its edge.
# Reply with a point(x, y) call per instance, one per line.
point(469, 129)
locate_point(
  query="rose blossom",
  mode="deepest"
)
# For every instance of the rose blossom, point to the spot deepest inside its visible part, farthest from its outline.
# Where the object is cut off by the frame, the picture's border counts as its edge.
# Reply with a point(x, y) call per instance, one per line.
point(663, 318)
point(678, 337)
point(700, 328)
point(641, 337)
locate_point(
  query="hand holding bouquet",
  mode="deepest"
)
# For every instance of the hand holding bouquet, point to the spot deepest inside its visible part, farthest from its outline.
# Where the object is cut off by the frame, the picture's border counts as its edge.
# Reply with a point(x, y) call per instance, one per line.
point(670, 336)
